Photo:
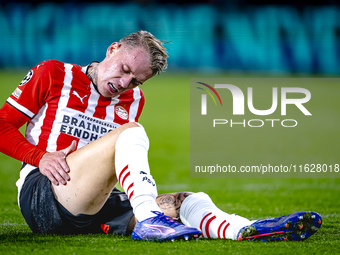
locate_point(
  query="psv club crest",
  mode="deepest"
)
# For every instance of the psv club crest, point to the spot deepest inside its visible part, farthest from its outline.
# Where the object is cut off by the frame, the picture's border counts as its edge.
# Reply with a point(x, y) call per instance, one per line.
point(121, 112)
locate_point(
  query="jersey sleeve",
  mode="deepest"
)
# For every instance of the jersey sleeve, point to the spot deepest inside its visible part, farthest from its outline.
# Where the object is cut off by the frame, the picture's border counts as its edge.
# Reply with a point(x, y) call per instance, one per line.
point(12, 142)
point(32, 92)
point(20, 107)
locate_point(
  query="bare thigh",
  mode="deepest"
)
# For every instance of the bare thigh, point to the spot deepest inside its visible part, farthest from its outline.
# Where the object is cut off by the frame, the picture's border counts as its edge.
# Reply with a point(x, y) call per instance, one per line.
point(92, 175)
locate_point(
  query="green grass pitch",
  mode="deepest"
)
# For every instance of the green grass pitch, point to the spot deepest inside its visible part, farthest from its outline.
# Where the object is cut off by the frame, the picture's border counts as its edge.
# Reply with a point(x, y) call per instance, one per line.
point(166, 119)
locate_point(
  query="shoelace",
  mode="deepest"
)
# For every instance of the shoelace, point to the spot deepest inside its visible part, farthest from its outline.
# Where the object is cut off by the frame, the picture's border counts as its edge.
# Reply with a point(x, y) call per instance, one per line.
point(163, 218)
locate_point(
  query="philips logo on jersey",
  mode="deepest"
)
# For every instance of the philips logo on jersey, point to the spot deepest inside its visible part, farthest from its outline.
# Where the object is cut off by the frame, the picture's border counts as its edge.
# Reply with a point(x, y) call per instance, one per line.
point(84, 127)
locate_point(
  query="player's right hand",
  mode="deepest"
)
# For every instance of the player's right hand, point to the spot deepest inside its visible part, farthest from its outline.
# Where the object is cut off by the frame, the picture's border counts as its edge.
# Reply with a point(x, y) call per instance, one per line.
point(53, 165)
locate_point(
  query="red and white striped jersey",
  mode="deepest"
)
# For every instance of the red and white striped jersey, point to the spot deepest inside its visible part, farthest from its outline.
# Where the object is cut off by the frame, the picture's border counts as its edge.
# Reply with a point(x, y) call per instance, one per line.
point(63, 105)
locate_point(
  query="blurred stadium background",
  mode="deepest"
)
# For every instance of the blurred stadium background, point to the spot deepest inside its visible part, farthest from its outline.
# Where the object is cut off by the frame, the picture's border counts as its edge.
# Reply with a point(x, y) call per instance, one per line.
point(288, 37)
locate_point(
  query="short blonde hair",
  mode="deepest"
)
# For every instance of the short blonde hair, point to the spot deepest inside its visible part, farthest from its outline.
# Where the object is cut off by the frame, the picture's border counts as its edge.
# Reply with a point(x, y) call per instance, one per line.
point(157, 53)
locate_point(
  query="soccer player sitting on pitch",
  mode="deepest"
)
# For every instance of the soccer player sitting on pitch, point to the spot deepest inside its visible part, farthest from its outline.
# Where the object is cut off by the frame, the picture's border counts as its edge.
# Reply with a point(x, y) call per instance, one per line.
point(68, 108)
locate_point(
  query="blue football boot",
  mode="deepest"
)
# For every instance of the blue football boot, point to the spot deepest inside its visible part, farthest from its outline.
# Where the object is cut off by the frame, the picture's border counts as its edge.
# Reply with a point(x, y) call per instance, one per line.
point(292, 227)
point(163, 228)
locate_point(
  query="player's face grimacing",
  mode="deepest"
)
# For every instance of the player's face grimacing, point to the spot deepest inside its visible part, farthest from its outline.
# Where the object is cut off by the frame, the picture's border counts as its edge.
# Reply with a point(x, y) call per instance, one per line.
point(122, 69)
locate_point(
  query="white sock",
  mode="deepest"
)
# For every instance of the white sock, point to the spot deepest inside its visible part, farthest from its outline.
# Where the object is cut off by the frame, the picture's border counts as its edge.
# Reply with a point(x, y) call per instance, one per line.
point(199, 211)
point(133, 172)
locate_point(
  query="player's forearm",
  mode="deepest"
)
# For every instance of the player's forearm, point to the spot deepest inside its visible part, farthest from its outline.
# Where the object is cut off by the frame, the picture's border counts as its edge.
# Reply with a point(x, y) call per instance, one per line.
point(15, 145)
